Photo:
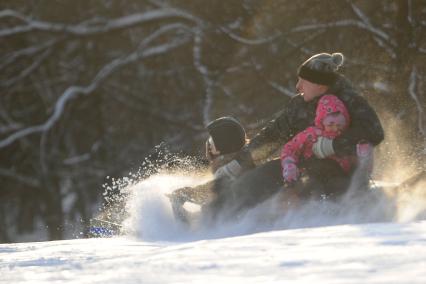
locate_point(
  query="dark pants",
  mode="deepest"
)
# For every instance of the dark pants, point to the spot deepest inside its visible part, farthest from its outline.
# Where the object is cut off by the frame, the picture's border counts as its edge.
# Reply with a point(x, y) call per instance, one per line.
point(248, 190)
point(320, 179)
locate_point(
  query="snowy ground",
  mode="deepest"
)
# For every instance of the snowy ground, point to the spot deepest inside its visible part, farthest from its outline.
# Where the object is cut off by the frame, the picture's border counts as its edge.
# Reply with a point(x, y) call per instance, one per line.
point(320, 243)
point(373, 253)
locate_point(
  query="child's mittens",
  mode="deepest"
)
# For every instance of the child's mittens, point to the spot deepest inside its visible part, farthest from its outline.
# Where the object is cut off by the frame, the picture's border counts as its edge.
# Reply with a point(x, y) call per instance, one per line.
point(290, 171)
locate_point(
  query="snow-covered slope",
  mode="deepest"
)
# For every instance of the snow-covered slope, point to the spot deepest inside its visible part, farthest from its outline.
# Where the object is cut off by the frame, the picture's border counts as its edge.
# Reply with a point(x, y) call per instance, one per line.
point(364, 239)
point(369, 253)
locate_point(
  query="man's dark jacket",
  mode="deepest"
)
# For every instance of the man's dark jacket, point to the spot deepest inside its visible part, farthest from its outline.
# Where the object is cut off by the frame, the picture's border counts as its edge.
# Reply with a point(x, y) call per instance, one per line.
point(298, 115)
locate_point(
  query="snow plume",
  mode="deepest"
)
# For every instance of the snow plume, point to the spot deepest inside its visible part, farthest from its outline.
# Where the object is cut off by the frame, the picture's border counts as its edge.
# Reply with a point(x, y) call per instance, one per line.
point(355, 207)
point(146, 211)
point(138, 205)
point(396, 157)
point(150, 216)
point(397, 160)
point(150, 213)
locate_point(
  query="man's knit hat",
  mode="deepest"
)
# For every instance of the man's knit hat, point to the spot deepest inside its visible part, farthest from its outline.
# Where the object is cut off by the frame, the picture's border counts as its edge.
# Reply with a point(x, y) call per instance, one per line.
point(227, 134)
point(321, 68)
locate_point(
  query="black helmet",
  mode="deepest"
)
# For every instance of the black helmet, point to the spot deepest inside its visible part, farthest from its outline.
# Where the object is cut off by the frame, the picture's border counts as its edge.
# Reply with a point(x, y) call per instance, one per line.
point(227, 134)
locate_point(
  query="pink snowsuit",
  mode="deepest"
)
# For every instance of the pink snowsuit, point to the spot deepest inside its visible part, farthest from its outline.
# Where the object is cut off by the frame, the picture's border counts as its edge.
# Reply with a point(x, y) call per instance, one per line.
point(300, 147)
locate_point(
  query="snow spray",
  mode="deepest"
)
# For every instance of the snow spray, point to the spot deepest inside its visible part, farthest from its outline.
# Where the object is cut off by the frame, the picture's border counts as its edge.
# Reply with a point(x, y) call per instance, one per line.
point(149, 216)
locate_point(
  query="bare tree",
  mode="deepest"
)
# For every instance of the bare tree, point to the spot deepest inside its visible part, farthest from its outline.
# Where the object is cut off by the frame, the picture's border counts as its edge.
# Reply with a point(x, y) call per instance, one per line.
point(87, 94)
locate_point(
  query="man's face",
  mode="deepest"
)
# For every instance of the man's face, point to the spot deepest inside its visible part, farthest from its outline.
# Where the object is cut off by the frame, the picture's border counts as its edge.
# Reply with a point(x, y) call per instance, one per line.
point(309, 90)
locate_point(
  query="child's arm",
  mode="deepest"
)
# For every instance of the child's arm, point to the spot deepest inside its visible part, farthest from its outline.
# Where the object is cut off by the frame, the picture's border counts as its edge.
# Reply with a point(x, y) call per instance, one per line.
point(290, 155)
point(293, 151)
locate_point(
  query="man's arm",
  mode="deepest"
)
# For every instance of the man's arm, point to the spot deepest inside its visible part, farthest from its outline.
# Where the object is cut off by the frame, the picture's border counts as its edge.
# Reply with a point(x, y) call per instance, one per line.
point(278, 131)
point(266, 142)
point(365, 127)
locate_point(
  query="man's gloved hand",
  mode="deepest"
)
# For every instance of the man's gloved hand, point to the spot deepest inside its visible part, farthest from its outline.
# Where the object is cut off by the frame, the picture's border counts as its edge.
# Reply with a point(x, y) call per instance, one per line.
point(230, 171)
point(364, 152)
point(323, 147)
point(290, 172)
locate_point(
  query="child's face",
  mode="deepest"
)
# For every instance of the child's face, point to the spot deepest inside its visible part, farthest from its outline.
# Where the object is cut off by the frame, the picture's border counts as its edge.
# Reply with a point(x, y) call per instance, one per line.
point(333, 127)
point(334, 123)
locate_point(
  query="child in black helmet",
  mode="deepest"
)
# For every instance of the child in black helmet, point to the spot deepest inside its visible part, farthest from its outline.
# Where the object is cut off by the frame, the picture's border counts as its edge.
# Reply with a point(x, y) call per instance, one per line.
point(227, 136)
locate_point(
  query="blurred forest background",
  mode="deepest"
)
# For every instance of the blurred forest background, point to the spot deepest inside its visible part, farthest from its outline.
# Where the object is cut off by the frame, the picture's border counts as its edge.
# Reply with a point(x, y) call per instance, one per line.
point(88, 88)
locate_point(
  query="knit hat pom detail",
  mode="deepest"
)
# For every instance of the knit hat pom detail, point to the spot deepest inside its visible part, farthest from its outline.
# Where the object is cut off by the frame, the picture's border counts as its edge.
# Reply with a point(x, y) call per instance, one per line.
point(321, 68)
point(338, 59)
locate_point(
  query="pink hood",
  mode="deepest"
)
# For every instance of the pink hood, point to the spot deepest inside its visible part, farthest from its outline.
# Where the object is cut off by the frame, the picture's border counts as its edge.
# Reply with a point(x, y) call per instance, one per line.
point(330, 104)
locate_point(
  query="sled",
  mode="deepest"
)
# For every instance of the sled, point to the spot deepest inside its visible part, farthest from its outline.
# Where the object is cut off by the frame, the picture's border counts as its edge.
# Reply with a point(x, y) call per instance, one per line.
point(103, 229)
point(202, 196)
point(185, 197)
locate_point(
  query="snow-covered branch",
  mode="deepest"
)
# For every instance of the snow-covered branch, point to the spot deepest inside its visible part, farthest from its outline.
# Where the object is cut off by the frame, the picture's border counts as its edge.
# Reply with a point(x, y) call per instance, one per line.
point(412, 91)
point(89, 27)
point(29, 51)
point(27, 71)
point(6, 173)
point(238, 67)
point(346, 23)
point(363, 17)
point(281, 89)
point(247, 41)
point(158, 113)
point(410, 12)
point(163, 30)
point(10, 127)
point(359, 13)
point(158, 3)
point(106, 71)
point(205, 73)
point(386, 47)
point(302, 45)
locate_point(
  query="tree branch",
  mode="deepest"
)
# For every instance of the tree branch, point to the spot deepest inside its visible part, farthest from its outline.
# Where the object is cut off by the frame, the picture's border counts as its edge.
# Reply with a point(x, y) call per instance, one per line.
point(412, 91)
point(19, 178)
point(106, 71)
point(257, 41)
point(11, 124)
point(27, 71)
point(29, 51)
point(205, 73)
point(346, 23)
point(158, 114)
point(281, 89)
point(410, 12)
point(89, 27)
point(360, 14)
point(10, 127)
point(76, 159)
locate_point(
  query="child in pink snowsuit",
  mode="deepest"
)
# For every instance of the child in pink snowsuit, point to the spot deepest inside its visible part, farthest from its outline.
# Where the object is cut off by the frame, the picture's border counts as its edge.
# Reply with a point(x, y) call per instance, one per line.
point(331, 119)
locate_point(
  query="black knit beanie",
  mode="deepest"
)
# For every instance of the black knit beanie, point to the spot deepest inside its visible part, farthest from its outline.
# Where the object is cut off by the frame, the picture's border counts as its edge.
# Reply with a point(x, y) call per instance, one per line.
point(317, 76)
point(228, 134)
point(321, 68)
